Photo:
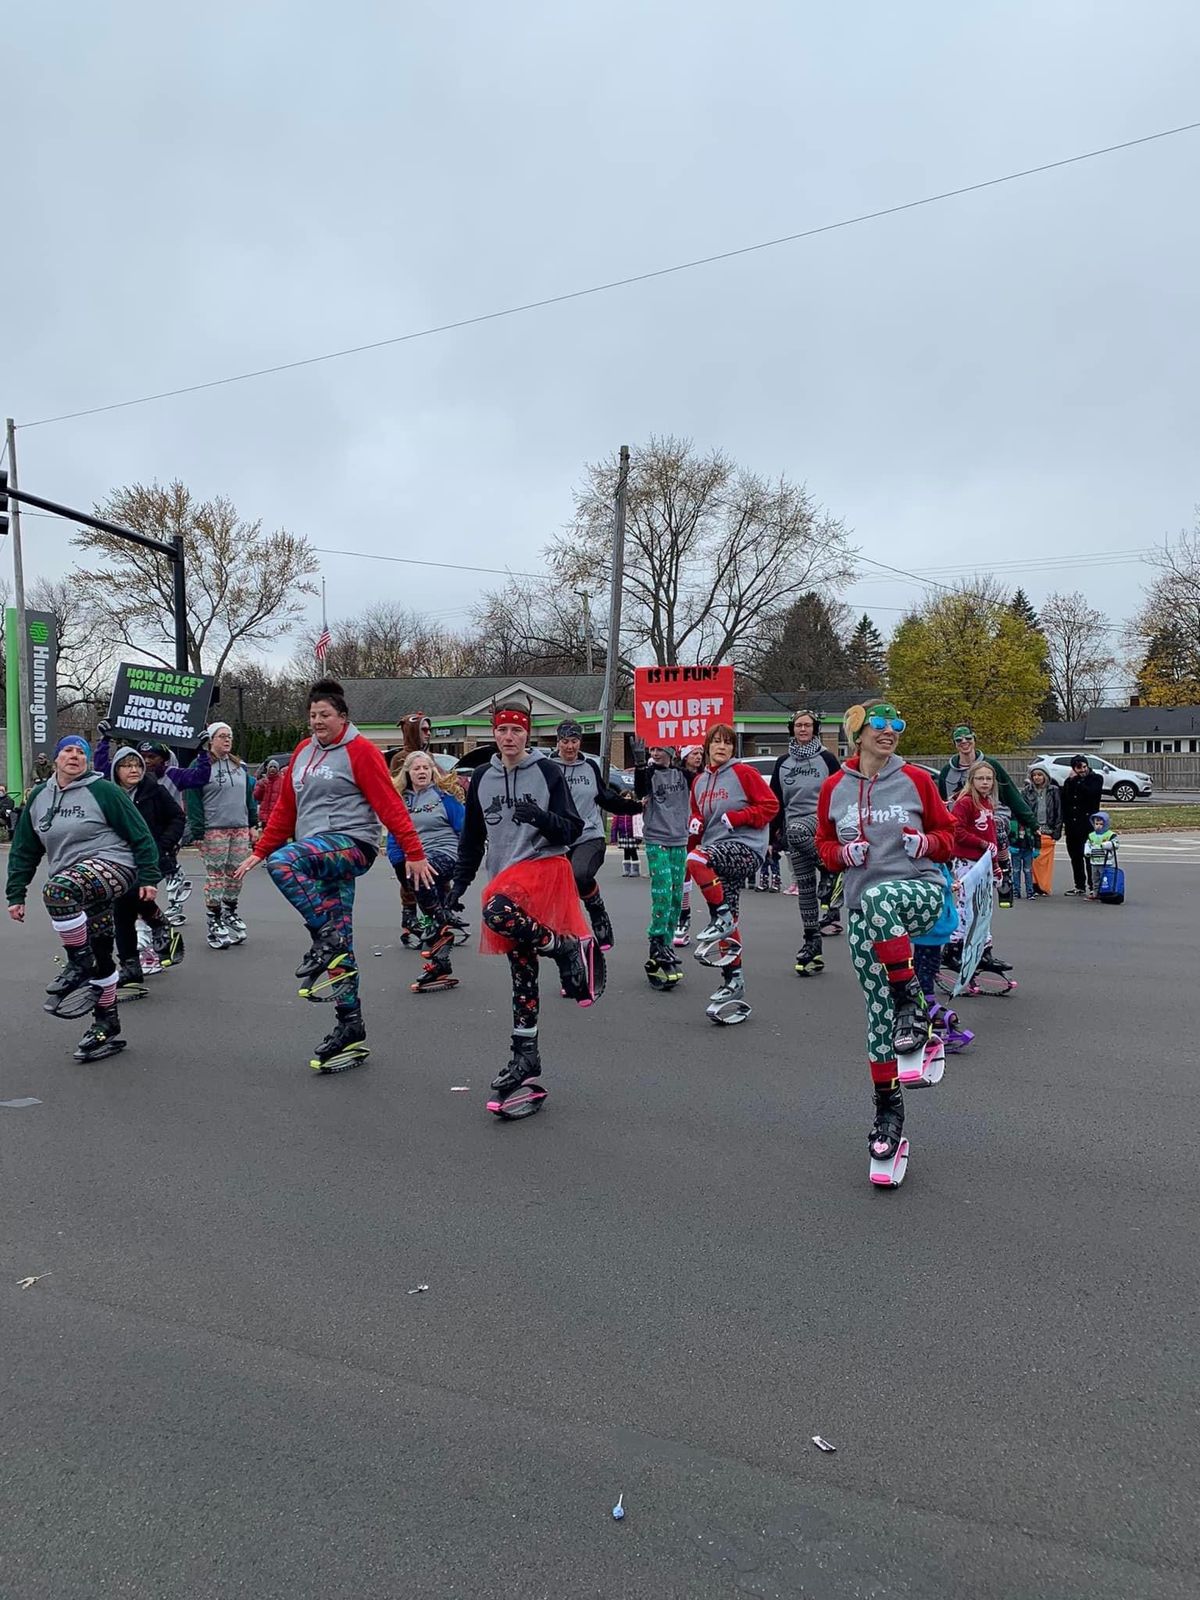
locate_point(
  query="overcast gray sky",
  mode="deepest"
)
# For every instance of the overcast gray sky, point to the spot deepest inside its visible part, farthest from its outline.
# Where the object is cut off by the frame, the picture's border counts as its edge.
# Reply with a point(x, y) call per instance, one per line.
point(998, 378)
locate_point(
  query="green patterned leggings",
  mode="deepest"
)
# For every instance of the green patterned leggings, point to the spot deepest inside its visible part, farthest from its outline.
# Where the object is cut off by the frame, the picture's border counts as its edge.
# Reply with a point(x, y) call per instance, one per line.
point(890, 911)
point(667, 863)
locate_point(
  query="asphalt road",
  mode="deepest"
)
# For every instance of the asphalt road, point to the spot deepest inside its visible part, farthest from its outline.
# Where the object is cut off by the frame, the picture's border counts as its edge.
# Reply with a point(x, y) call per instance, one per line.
point(661, 1287)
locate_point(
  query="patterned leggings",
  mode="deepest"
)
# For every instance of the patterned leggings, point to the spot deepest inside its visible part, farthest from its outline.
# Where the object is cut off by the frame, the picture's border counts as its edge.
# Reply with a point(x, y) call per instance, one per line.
point(317, 876)
point(667, 864)
point(720, 871)
point(802, 852)
point(880, 939)
point(504, 917)
point(221, 849)
point(89, 889)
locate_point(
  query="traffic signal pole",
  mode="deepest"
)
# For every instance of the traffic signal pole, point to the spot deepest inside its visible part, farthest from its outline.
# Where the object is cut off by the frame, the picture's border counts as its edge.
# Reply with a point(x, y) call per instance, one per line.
point(172, 549)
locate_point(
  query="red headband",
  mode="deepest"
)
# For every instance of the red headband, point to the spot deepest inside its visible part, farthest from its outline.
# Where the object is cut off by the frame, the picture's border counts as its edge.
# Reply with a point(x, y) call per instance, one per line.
point(511, 717)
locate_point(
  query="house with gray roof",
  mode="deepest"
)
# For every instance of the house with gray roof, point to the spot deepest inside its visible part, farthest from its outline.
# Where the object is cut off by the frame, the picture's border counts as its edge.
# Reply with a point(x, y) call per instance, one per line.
point(1116, 731)
point(460, 711)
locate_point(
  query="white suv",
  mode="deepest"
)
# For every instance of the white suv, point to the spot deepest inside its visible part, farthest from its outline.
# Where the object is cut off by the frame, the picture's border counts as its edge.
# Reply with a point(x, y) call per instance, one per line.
point(1118, 781)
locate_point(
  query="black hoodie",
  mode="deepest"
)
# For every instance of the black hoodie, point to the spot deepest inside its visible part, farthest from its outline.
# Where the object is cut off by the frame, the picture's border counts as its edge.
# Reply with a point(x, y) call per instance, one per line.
point(161, 813)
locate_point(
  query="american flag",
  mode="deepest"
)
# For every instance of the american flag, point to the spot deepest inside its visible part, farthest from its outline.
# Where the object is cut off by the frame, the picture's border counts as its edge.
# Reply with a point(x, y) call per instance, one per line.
point(324, 640)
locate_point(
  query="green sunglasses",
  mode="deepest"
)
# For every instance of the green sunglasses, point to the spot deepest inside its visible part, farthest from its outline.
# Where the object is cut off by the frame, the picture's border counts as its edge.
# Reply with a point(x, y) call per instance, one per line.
point(896, 724)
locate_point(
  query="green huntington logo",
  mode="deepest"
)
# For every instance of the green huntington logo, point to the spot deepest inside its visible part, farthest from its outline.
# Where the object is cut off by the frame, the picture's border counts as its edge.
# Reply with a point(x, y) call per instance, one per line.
point(39, 632)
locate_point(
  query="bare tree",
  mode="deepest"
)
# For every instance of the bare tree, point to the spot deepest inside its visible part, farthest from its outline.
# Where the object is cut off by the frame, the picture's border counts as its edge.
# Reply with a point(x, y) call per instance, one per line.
point(259, 696)
point(86, 661)
point(390, 641)
point(1165, 634)
point(713, 553)
point(1079, 656)
point(244, 586)
point(540, 629)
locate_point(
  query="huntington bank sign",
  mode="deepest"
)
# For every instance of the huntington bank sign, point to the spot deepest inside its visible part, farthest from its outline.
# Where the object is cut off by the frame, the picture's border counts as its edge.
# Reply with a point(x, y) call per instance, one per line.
point(41, 658)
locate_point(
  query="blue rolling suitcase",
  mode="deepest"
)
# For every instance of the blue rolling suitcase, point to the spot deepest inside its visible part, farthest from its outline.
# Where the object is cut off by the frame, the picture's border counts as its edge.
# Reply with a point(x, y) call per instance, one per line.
point(1111, 891)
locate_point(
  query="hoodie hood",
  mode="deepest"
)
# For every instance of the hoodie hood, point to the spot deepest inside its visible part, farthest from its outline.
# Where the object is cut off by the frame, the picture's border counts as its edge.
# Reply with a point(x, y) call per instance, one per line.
point(124, 754)
point(892, 764)
point(1102, 818)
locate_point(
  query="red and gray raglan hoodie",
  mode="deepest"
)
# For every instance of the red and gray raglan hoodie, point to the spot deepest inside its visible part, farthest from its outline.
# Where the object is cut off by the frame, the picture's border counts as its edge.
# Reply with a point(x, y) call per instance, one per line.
point(739, 793)
point(879, 810)
point(339, 788)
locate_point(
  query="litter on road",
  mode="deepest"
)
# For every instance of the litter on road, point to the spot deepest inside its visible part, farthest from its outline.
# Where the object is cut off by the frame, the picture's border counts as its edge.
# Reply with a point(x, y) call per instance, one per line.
point(28, 1283)
point(824, 1444)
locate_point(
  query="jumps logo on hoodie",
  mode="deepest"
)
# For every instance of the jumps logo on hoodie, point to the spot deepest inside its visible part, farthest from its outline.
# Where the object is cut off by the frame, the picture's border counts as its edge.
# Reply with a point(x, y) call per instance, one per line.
point(494, 810)
point(848, 826)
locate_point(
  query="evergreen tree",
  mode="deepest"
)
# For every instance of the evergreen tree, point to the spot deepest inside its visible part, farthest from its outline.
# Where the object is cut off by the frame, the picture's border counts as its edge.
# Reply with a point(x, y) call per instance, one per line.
point(867, 655)
point(1021, 607)
point(804, 649)
point(1170, 671)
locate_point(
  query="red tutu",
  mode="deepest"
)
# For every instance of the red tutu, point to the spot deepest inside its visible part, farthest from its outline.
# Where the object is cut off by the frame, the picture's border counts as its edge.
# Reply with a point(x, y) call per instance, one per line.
point(544, 890)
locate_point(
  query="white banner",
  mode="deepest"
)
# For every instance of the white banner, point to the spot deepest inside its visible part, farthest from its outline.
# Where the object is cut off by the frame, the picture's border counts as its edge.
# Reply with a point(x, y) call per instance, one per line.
point(976, 895)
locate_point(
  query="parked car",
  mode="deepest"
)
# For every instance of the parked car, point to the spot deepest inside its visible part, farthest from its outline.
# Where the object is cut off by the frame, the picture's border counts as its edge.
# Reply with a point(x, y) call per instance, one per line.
point(1119, 782)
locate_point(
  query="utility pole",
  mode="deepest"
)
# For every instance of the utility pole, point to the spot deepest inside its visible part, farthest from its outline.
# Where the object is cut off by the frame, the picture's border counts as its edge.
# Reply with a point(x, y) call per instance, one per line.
point(587, 629)
point(614, 611)
point(14, 514)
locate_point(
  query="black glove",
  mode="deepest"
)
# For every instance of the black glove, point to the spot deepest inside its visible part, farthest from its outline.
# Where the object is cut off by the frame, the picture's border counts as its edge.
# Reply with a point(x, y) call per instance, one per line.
point(168, 865)
point(203, 742)
point(104, 728)
point(639, 752)
point(527, 810)
point(454, 898)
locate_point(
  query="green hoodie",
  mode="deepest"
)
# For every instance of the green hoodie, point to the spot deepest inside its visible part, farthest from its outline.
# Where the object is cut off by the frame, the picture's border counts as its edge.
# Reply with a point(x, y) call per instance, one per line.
point(91, 819)
point(950, 781)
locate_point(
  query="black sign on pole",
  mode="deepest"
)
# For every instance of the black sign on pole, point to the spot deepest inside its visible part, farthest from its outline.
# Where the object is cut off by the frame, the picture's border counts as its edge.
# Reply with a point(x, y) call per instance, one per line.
point(154, 703)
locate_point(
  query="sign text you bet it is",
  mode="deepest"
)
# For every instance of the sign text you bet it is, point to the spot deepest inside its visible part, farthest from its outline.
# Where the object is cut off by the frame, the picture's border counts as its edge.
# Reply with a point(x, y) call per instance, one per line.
point(678, 705)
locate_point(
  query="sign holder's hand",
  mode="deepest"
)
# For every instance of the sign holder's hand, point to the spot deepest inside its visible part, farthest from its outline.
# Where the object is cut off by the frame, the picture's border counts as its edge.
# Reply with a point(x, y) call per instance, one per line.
point(17, 913)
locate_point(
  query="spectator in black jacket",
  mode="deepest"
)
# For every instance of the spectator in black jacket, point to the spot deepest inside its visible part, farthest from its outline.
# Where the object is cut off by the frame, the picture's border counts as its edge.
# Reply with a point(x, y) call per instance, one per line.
point(163, 815)
point(8, 812)
point(1081, 796)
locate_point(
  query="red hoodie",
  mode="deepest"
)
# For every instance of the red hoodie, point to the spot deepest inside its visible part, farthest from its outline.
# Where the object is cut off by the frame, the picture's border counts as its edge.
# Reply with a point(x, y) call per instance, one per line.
point(974, 828)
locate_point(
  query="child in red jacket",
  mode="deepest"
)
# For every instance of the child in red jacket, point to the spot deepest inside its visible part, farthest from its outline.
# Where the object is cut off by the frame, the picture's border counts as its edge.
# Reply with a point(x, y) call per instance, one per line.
point(975, 835)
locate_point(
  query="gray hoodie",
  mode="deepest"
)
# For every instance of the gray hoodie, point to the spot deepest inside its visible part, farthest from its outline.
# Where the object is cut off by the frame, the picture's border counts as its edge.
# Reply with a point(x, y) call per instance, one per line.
point(717, 791)
point(878, 810)
point(89, 820)
point(667, 793)
point(491, 826)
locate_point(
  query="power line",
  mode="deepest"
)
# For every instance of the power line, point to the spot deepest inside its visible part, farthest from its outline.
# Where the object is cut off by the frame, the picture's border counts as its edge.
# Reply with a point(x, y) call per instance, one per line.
point(622, 283)
point(450, 566)
point(900, 572)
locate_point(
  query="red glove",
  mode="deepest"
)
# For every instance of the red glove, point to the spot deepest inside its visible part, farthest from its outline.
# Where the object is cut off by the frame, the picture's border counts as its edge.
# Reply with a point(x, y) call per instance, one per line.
point(916, 844)
point(855, 853)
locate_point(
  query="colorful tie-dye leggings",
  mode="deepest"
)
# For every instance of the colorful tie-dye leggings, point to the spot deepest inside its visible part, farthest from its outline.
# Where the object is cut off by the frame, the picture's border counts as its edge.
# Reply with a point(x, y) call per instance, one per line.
point(317, 875)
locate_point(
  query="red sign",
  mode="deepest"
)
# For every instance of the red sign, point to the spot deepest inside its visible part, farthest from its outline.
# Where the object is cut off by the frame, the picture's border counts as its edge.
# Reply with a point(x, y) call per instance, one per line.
point(678, 705)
